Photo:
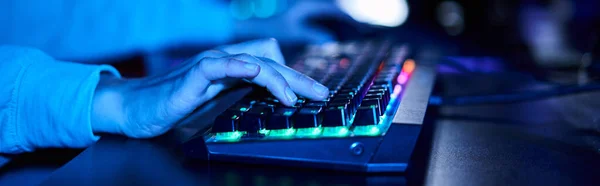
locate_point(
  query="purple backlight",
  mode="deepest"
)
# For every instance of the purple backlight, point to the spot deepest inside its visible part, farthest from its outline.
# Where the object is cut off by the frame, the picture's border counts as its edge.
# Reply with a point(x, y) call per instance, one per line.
point(402, 78)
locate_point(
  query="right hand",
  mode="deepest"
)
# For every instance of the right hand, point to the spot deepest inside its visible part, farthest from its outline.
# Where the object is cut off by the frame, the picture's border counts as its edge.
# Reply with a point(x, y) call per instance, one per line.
point(148, 107)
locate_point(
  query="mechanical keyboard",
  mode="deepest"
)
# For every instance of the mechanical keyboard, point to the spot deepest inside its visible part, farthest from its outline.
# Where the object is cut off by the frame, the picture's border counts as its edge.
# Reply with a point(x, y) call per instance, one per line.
point(370, 122)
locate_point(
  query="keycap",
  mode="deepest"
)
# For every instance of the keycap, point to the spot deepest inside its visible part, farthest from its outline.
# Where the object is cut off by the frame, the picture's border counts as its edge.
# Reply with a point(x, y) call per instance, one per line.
point(366, 115)
point(348, 104)
point(307, 117)
point(316, 104)
point(335, 116)
point(384, 91)
point(386, 87)
point(226, 122)
point(380, 95)
point(373, 101)
point(352, 91)
point(281, 118)
point(254, 120)
point(346, 97)
point(242, 107)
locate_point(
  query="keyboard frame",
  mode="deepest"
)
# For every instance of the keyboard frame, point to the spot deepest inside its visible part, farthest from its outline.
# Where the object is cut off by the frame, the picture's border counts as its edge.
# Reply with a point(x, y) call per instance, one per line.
point(390, 152)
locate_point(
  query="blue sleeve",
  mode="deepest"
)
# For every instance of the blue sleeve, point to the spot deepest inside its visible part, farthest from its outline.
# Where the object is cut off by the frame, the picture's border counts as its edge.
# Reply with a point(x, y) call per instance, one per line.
point(89, 30)
point(45, 103)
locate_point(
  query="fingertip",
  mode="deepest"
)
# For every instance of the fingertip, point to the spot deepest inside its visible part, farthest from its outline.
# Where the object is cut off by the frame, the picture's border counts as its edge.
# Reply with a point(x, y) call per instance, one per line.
point(290, 95)
point(320, 90)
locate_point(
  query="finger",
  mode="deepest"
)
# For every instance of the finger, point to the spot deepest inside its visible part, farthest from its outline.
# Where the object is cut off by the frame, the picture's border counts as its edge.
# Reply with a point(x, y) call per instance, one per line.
point(193, 61)
point(220, 68)
point(213, 71)
point(300, 83)
point(267, 48)
point(271, 79)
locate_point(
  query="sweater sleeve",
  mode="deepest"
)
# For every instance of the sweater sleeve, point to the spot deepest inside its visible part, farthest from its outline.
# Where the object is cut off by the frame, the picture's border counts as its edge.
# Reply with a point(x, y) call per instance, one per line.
point(45, 103)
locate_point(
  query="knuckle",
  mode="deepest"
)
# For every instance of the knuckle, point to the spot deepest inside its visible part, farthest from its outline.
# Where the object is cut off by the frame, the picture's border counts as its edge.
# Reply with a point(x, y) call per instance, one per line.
point(278, 78)
point(229, 63)
point(205, 62)
point(302, 78)
point(240, 55)
point(271, 40)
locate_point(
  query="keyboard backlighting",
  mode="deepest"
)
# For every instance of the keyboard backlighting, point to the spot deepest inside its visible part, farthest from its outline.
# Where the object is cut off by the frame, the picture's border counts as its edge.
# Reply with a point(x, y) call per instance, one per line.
point(309, 132)
point(340, 131)
point(409, 66)
point(228, 136)
point(371, 130)
point(283, 133)
point(264, 132)
point(402, 78)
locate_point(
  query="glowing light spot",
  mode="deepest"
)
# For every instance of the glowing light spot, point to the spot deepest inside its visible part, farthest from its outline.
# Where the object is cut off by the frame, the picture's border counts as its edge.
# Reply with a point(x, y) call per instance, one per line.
point(265, 8)
point(370, 130)
point(402, 78)
point(409, 66)
point(397, 90)
point(344, 63)
point(389, 13)
point(241, 9)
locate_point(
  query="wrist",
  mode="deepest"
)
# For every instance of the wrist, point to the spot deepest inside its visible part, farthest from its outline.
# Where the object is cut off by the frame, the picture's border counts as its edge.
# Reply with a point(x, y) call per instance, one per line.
point(108, 106)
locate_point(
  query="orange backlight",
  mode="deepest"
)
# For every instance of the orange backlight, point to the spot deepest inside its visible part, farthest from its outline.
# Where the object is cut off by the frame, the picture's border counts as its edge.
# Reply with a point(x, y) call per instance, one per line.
point(409, 66)
point(344, 63)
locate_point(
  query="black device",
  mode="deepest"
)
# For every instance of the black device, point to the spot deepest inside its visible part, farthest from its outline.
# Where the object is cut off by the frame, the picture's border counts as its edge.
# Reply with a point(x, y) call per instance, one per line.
point(379, 92)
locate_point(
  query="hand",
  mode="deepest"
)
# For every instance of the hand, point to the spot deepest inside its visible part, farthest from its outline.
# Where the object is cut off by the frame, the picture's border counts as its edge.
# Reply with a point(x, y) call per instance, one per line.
point(148, 107)
point(292, 26)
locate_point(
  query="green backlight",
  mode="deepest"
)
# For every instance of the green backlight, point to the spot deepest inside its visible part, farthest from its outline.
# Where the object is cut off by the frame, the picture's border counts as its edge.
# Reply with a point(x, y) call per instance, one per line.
point(309, 132)
point(264, 131)
point(228, 136)
point(243, 109)
point(288, 113)
point(283, 132)
point(340, 131)
point(369, 130)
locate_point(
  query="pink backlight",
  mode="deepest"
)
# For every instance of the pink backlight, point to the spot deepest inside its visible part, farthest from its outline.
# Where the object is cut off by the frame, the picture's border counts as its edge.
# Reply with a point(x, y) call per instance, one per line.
point(397, 90)
point(402, 78)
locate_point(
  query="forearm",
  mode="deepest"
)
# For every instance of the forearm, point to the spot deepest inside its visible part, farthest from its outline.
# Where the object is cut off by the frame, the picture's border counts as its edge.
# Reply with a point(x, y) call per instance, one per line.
point(45, 103)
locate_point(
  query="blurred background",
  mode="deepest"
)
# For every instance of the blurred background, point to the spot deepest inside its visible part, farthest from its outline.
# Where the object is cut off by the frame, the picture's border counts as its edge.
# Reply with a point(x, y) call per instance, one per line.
point(549, 38)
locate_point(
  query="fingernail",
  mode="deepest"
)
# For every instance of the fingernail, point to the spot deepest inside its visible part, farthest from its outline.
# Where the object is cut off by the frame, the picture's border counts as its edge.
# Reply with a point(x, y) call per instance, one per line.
point(320, 89)
point(251, 66)
point(290, 95)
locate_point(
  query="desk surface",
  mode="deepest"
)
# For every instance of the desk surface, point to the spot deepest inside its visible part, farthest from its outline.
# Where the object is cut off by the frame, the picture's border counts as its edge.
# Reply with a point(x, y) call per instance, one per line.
point(547, 142)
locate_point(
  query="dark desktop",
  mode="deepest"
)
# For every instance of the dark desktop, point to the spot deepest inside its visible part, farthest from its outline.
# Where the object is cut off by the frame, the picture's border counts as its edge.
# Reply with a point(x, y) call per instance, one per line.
point(438, 92)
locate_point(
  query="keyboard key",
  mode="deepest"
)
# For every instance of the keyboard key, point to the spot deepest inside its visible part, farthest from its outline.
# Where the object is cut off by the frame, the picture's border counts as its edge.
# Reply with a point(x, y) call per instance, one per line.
point(366, 115)
point(335, 116)
point(254, 120)
point(386, 87)
point(244, 107)
point(383, 99)
point(316, 104)
point(226, 122)
point(346, 97)
point(348, 92)
point(373, 101)
point(350, 107)
point(307, 117)
point(281, 119)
